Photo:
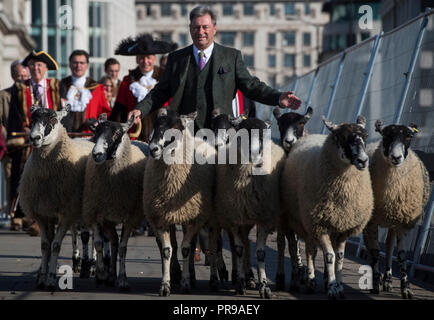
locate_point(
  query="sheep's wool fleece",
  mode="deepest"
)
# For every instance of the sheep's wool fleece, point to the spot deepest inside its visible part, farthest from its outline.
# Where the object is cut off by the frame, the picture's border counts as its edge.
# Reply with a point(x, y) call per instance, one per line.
point(322, 193)
point(401, 193)
point(242, 198)
point(52, 182)
point(114, 189)
point(179, 193)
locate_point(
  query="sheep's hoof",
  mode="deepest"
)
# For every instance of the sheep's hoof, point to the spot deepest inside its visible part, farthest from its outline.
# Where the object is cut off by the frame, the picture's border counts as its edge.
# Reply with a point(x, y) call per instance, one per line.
point(223, 274)
point(122, 283)
point(85, 269)
point(76, 264)
point(234, 276)
point(185, 286)
point(387, 282)
point(311, 286)
point(333, 291)
point(240, 287)
point(280, 281)
point(341, 291)
point(264, 291)
point(164, 290)
point(40, 280)
point(406, 292)
point(51, 282)
point(214, 283)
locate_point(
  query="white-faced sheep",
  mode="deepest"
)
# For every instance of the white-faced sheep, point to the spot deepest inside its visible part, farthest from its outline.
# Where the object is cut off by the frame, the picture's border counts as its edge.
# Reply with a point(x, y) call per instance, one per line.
point(327, 195)
point(52, 183)
point(177, 188)
point(247, 192)
point(113, 193)
point(291, 127)
point(401, 187)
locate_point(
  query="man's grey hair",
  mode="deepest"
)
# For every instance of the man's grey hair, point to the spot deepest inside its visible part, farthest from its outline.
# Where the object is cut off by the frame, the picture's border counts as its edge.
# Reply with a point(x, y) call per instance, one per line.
point(201, 11)
point(14, 65)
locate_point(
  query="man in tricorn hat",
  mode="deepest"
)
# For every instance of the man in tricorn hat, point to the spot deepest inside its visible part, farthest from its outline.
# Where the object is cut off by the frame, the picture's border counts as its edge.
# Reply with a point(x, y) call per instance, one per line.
point(40, 91)
point(136, 85)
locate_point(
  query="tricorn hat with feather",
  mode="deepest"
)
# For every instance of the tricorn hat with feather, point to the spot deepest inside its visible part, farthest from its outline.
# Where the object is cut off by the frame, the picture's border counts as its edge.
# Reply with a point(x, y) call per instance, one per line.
point(143, 44)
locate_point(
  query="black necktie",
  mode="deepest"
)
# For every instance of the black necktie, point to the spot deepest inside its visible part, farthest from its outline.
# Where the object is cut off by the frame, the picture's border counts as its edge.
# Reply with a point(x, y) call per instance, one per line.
point(36, 94)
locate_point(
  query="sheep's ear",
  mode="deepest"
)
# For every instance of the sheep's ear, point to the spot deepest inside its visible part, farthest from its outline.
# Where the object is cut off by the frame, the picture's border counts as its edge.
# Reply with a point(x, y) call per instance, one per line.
point(162, 113)
point(379, 126)
point(127, 125)
point(92, 123)
point(236, 121)
point(216, 113)
point(308, 113)
point(413, 128)
point(361, 121)
point(276, 113)
point(332, 127)
point(67, 107)
point(63, 113)
point(268, 124)
point(102, 117)
point(33, 108)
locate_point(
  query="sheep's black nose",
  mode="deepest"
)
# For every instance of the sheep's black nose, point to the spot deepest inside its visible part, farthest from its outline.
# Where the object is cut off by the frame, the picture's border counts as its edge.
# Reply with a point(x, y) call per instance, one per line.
point(289, 142)
point(35, 138)
point(397, 159)
point(154, 150)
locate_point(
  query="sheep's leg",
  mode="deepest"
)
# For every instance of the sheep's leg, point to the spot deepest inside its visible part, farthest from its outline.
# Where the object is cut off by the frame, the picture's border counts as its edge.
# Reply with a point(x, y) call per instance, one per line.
point(402, 241)
point(114, 247)
point(370, 237)
point(85, 262)
point(93, 260)
point(327, 248)
point(162, 237)
point(46, 239)
point(122, 279)
point(339, 249)
point(297, 272)
point(75, 251)
point(311, 252)
point(107, 253)
point(175, 267)
point(187, 254)
point(221, 266)
point(62, 228)
point(261, 239)
point(100, 274)
point(250, 277)
point(390, 244)
point(240, 286)
point(280, 274)
point(214, 234)
point(234, 257)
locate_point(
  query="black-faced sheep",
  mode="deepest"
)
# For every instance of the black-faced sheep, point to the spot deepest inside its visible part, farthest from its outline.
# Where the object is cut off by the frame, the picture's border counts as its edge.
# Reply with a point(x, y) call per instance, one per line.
point(52, 183)
point(177, 188)
point(327, 195)
point(291, 127)
point(247, 192)
point(401, 187)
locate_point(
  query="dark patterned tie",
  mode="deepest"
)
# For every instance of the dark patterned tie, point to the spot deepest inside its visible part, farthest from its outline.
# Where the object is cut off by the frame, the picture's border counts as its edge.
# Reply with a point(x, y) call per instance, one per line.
point(201, 60)
point(36, 95)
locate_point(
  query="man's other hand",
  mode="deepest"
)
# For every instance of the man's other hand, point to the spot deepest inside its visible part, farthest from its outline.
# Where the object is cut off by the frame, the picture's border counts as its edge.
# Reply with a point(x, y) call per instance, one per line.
point(137, 115)
point(289, 100)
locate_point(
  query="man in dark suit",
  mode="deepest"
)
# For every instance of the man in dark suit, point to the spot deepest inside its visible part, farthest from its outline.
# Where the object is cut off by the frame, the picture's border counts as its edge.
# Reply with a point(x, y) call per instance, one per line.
point(206, 75)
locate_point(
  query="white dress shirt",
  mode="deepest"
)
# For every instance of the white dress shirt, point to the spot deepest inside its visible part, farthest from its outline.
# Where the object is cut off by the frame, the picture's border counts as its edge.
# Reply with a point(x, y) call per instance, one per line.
point(207, 51)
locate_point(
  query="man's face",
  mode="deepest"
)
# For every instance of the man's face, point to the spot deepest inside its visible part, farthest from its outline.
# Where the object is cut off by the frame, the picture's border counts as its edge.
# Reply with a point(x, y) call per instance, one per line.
point(78, 66)
point(202, 31)
point(146, 62)
point(21, 73)
point(37, 70)
point(113, 71)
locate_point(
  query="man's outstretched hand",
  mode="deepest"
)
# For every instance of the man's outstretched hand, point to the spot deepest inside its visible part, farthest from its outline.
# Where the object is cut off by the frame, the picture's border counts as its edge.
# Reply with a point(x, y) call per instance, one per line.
point(137, 114)
point(289, 100)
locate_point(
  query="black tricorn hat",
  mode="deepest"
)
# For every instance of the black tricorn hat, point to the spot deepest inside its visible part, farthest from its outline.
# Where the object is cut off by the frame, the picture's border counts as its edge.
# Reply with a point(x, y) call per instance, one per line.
point(41, 56)
point(143, 44)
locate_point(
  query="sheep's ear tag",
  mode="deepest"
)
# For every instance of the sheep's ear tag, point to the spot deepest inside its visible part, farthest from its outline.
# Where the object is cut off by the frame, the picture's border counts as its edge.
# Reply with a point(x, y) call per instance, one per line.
point(243, 116)
point(413, 128)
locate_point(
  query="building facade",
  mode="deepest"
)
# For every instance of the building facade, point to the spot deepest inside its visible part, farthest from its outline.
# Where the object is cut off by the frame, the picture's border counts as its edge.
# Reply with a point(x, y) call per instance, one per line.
point(15, 41)
point(97, 26)
point(278, 39)
point(396, 12)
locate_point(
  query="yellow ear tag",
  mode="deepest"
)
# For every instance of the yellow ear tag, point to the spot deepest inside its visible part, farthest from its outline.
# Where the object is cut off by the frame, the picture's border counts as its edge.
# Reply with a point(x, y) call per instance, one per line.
point(415, 130)
point(243, 116)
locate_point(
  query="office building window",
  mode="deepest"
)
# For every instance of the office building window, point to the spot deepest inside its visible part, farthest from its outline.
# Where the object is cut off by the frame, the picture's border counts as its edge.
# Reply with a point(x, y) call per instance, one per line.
point(98, 39)
point(306, 38)
point(307, 9)
point(306, 60)
point(271, 39)
point(166, 9)
point(249, 9)
point(288, 38)
point(289, 60)
point(228, 9)
point(272, 60)
point(289, 8)
point(227, 38)
point(272, 9)
point(249, 60)
point(166, 36)
point(248, 39)
point(183, 9)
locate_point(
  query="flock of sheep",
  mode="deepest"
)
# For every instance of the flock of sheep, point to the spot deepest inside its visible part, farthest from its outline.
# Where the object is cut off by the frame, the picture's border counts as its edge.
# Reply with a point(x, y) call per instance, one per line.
point(320, 188)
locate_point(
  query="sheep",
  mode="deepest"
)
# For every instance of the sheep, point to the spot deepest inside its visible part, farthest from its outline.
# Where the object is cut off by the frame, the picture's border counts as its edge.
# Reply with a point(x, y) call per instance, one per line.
point(113, 192)
point(221, 124)
point(291, 128)
point(244, 197)
point(327, 195)
point(52, 183)
point(401, 187)
point(177, 192)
